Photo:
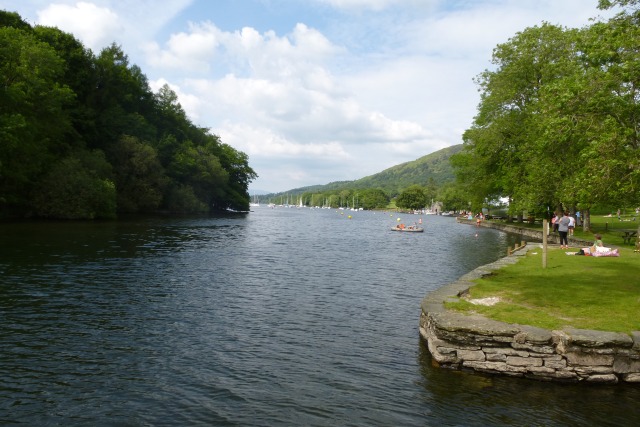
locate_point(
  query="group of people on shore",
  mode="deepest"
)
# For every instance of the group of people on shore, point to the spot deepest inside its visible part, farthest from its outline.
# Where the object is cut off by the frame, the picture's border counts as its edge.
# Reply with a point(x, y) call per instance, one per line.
point(597, 249)
point(564, 226)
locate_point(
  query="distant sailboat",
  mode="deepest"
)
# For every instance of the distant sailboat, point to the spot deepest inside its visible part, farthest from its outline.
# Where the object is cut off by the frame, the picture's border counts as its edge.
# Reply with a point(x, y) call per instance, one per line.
point(255, 201)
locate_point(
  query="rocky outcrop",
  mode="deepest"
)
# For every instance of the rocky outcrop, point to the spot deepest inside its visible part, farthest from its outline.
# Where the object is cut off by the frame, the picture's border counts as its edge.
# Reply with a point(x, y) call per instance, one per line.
point(472, 342)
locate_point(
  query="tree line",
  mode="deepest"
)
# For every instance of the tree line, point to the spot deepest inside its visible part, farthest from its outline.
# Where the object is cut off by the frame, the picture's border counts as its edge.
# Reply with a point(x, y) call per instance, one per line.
point(412, 197)
point(558, 124)
point(366, 198)
point(83, 136)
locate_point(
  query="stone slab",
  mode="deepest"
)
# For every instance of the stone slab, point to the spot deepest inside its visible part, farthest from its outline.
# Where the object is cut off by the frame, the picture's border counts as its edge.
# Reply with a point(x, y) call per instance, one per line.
point(598, 339)
point(585, 359)
point(458, 322)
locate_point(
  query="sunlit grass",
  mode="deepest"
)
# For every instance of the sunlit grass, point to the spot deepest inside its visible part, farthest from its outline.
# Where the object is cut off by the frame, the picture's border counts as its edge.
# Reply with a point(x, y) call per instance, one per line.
point(600, 293)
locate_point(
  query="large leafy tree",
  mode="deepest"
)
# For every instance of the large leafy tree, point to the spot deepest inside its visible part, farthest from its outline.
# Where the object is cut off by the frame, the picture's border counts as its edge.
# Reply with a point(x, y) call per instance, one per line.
point(507, 151)
point(611, 111)
point(412, 198)
point(558, 120)
point(455, 197)
point(373, 198)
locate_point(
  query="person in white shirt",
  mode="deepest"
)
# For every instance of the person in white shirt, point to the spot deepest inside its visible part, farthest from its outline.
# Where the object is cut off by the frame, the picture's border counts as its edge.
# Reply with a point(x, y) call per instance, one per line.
point(572, 224)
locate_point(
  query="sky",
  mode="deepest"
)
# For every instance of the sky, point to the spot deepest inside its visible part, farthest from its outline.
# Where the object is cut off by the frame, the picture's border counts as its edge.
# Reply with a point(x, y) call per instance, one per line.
point(314, 91)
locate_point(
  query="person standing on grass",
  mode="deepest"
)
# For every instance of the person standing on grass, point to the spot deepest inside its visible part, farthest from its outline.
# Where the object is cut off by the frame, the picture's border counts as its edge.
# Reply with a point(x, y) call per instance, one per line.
point(563, 229)
point(572, 224)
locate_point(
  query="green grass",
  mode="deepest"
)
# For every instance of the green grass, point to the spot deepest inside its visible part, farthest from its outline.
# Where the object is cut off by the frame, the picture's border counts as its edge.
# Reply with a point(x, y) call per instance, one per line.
point(599, 293)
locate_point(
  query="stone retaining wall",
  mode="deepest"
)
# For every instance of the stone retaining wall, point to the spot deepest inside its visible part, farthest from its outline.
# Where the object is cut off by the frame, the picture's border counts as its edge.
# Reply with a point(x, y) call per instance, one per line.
point(472, 342)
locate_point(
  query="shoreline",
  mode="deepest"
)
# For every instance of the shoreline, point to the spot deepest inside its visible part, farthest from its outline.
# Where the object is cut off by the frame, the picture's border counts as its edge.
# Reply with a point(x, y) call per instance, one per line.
point(478, 344)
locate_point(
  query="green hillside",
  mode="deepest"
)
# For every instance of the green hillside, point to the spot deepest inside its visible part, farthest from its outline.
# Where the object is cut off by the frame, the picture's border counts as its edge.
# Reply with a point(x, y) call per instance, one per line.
point(434, 167)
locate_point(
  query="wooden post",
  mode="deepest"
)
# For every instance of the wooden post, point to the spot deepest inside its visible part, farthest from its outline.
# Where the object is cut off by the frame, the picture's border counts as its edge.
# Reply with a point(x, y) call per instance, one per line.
point(545, 230)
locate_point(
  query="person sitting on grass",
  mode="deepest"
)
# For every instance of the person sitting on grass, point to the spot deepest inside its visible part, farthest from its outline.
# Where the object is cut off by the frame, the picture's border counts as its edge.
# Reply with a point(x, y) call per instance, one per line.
point(592, 249)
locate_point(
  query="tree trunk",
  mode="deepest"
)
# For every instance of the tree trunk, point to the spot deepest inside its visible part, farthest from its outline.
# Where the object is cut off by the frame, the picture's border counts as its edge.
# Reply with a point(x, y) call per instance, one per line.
point(586, 220)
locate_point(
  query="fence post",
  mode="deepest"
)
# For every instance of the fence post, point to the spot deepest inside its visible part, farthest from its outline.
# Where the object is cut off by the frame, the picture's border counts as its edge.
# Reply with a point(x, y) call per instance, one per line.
point(545, 230)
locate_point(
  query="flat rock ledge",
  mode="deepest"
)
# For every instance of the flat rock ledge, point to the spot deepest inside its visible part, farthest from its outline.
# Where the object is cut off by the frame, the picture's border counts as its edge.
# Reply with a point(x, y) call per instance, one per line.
point(475, 343)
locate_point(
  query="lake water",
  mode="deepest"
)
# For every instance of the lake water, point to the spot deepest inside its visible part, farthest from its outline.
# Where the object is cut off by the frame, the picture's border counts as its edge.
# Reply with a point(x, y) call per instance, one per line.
point(279, 317)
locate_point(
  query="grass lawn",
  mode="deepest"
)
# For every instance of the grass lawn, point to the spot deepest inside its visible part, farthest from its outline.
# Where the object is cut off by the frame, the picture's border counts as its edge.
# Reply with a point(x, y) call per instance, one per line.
point(599, 293)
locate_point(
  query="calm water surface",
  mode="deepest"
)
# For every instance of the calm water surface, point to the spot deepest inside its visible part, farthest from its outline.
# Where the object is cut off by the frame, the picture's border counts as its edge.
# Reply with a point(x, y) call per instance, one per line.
point(278, 317)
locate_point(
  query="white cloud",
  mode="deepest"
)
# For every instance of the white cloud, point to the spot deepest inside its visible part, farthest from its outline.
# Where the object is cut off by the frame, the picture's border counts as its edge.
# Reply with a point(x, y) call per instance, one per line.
point(99, 23)
point(194, 50)
point(265, 143)
point(93, 24)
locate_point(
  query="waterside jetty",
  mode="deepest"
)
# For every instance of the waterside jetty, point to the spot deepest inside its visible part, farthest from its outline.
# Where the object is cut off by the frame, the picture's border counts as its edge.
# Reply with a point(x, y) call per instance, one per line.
point(476, 343)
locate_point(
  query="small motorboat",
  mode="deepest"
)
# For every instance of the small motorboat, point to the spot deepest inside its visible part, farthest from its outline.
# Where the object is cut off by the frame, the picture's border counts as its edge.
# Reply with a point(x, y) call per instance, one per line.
point(410, 229)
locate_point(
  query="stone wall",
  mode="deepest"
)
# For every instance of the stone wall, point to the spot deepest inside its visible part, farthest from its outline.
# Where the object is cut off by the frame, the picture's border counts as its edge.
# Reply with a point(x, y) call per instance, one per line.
point(475, 343)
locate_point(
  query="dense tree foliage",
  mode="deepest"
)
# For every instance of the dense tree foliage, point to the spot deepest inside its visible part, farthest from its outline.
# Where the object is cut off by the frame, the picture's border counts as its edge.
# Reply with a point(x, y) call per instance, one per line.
point(557, 125)
point(83, 136)
point(412, 198)
point(454, 197)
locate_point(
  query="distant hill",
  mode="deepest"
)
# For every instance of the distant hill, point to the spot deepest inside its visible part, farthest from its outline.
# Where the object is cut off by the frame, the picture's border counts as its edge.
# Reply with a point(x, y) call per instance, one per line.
point(434, 166)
